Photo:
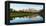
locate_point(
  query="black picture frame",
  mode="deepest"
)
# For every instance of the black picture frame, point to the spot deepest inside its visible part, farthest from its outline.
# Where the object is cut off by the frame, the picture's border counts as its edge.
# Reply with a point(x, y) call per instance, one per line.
point(7, 7)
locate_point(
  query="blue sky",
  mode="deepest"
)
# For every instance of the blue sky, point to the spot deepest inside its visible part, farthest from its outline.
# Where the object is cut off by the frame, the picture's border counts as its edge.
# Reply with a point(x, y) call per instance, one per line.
point(16, 6)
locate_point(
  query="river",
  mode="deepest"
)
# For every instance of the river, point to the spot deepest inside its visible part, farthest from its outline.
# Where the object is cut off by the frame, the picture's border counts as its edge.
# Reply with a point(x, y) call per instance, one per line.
point(26, 19)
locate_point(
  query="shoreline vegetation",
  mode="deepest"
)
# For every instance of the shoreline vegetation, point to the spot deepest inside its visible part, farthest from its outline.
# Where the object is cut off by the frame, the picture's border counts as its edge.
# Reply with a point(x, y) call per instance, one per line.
point(21, 13)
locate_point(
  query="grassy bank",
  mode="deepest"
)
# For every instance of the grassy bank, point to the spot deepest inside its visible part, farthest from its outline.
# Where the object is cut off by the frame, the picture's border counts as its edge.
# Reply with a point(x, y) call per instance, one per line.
point(20, 14)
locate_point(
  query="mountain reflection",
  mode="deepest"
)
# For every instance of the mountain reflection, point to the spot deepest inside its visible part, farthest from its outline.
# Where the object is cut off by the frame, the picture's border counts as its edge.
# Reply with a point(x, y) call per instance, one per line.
point(27, 19)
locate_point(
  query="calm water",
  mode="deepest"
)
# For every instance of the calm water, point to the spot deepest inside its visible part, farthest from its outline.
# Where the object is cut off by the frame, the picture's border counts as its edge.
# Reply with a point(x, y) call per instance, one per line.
point(26, 19)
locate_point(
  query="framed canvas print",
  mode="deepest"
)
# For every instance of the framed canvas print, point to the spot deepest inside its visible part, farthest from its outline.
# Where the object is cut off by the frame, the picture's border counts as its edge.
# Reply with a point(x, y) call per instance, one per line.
point(17, 12)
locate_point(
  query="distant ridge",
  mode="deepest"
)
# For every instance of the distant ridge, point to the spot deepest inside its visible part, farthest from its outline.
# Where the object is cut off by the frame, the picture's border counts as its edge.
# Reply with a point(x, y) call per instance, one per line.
point(28, 10)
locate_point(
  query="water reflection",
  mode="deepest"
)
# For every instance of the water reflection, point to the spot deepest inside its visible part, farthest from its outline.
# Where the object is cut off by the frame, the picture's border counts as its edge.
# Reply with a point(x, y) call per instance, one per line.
point(26, 19)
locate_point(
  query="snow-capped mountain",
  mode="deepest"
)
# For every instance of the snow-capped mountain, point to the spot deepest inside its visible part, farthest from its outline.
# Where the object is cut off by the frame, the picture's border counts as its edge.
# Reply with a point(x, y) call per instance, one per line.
point(28, 10)
point(31, 10)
